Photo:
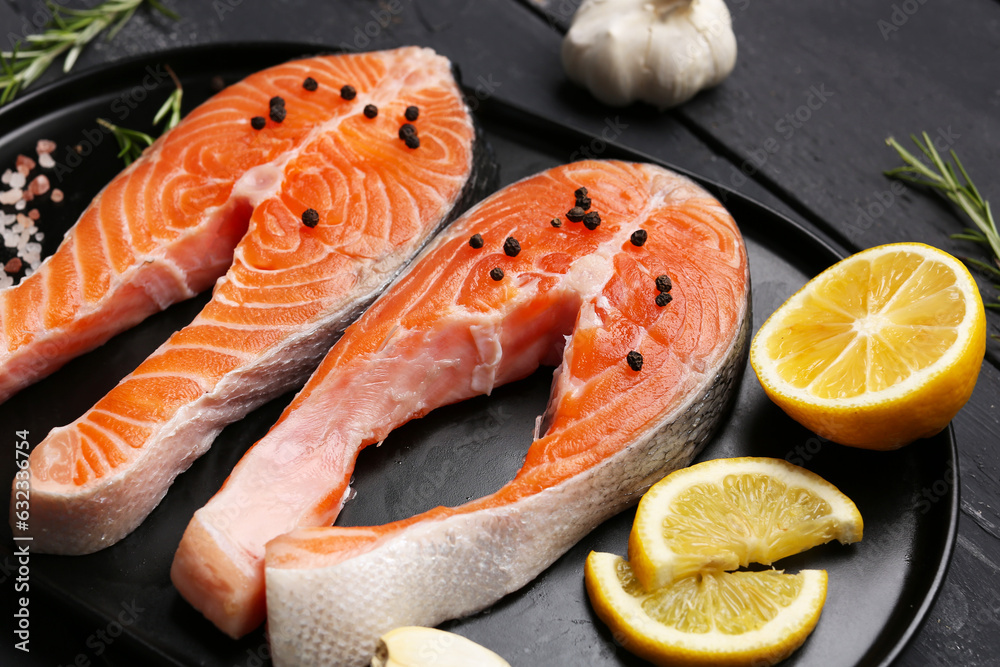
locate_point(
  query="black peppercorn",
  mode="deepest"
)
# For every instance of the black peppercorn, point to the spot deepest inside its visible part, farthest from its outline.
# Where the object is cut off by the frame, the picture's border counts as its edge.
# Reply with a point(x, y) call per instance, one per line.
point(496, 274)
point(310, 217)
point(258, 122)
point(634, 360)
point(476, 241)
point(348, 92)
point(592, 220)
point(639, 237)
point(310, 84)
point(370, 111)
point(511, 247)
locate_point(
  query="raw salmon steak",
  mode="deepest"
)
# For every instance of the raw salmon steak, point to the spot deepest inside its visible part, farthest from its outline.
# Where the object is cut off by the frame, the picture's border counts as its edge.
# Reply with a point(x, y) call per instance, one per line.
point(645, 369)
point(337, 200)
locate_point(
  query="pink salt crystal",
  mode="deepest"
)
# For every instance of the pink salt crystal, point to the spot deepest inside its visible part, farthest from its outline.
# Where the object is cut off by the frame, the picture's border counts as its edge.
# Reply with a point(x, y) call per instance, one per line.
point(13, 265)
point(25, 164)
point(27, 195)
point(44, 147)
point(57, 195)
point(40, 185)
point(34, 214)
point(25, 221)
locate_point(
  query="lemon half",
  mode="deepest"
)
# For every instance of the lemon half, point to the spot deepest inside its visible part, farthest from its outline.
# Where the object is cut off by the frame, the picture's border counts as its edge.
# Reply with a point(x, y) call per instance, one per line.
point(878, 350)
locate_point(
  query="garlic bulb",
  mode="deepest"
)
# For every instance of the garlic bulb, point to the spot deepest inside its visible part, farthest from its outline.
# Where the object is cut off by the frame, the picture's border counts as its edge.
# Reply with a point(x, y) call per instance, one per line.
point(414, 646)
point(658, 51)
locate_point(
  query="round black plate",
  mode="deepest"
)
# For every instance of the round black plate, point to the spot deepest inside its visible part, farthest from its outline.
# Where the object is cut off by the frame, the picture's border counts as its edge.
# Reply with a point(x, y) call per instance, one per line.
point(880, 588)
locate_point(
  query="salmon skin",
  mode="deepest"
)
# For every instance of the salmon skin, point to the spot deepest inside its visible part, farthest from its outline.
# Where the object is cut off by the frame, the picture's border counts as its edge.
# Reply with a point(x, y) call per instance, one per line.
point(501, 292)
point(337, 209)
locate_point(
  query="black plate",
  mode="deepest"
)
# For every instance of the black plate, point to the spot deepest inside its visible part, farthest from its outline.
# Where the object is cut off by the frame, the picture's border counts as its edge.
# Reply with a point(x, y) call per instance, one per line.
point(879, 591)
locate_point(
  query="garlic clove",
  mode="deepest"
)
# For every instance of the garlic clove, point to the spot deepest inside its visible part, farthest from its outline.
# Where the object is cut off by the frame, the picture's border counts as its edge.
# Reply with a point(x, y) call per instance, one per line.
point(415, 646)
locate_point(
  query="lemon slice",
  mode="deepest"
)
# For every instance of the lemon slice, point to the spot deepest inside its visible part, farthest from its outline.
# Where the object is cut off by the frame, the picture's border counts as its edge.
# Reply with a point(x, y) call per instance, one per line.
point(728, 513)
point(878, 350)
point(724, 618)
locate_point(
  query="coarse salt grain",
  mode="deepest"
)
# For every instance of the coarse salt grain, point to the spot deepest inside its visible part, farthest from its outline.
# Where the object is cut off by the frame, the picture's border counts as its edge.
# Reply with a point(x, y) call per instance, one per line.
point(40, 185)
point(57, 195)
point(46, 161)
point(6, 281)
point(39, 236)
point(25, 221)
point(17, 180)
point(19, 206)
point(11, 196)
point(5, 178)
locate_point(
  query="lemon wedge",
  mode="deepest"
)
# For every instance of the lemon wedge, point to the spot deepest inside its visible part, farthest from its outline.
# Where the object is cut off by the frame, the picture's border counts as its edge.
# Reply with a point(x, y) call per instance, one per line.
point(728, 513)
point(720, 618)
point(880, 349)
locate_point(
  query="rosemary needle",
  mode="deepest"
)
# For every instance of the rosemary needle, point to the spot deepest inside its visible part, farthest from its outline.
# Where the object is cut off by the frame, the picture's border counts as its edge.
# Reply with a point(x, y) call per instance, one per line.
point(67, 32)
point(172, 105)
point(943, 177)
point(131, 143)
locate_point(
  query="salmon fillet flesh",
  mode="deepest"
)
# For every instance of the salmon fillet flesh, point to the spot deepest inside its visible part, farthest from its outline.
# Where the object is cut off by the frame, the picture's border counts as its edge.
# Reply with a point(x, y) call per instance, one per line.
point(645, 371)
point(335, 201)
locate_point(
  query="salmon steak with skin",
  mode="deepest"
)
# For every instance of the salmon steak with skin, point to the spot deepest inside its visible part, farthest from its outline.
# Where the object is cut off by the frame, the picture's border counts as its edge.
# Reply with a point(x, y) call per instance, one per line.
point(641, 384)
point(336, 204)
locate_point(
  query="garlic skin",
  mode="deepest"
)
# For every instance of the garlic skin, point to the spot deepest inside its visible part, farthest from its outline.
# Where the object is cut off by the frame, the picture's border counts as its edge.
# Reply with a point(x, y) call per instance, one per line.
point(657, 51)
point(415, 646)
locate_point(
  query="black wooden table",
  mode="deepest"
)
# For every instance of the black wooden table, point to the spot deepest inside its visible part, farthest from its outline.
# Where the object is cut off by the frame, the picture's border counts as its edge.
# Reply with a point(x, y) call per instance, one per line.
point(800, 125)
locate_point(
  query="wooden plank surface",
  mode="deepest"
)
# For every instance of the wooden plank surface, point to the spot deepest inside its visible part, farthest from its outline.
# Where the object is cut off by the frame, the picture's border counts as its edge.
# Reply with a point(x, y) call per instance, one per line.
point(934, 69)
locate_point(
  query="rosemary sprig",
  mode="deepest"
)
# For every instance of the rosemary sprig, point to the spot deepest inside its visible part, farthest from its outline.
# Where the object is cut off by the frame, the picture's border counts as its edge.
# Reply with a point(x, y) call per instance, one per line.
point(131, 143)
point(67, 32)
point(943, 177)
point(173, 104)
